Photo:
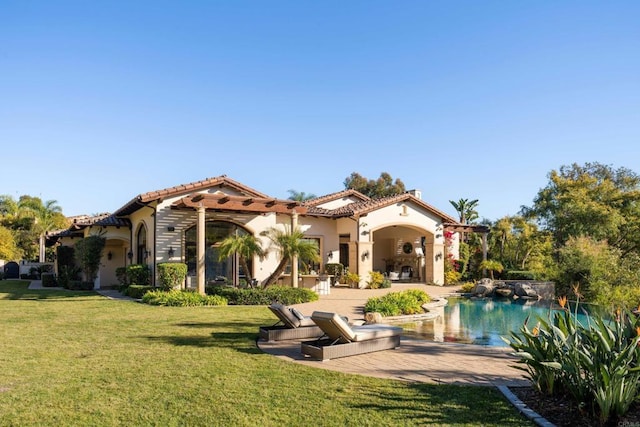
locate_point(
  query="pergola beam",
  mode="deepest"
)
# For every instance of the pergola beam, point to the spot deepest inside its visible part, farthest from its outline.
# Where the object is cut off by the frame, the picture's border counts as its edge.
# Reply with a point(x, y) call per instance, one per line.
point(241, 204)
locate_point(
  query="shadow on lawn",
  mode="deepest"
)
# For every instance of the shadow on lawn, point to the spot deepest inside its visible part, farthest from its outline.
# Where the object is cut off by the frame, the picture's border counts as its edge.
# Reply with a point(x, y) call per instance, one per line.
point(242, 342)
point(19, 290)
point(448, 405)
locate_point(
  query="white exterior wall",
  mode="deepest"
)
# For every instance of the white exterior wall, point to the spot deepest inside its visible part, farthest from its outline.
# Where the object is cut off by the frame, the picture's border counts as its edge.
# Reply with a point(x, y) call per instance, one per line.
point(181, 220)
point(412, 216)
point(326, 230)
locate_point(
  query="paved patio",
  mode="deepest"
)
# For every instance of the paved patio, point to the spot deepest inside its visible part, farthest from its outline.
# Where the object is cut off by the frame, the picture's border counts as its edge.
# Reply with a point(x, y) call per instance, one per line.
point(414, 360)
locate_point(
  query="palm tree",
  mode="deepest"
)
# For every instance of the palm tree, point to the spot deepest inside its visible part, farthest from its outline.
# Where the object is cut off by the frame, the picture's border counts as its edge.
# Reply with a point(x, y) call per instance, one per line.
point(246, 246)
point(290, 244)
point(466, 209)
point(491, 265)
point(47, 217)
point(300, 196)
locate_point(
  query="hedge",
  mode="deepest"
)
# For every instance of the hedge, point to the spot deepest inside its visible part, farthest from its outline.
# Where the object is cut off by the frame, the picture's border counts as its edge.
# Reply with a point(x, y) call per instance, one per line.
point(264, 296)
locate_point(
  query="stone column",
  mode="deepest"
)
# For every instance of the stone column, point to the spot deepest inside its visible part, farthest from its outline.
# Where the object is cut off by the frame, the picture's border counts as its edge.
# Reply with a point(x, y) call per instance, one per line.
point(365, 262)
point(294, 259)
point(484, 252)
point(200, 249)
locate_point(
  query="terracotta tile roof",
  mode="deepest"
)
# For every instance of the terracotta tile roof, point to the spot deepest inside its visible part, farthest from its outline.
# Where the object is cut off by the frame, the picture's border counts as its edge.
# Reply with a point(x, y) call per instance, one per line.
point(335, 196)
point(144, 198)
point(366, 206)
point(82, 221)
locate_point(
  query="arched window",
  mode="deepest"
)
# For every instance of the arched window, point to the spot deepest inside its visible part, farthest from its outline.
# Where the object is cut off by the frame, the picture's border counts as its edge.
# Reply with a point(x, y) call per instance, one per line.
point(226, 271)
point(141, 245)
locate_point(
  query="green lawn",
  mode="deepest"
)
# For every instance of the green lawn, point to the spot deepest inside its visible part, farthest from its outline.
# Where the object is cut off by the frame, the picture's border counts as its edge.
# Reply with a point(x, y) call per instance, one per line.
point(77, 358)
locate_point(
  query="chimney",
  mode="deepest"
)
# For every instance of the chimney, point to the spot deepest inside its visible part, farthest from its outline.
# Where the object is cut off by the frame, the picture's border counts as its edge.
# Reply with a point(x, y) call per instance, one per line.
point(416, 193)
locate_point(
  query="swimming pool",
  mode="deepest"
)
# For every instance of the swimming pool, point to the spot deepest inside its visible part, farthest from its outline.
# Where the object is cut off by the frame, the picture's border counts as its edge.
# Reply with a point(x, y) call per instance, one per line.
point(479, 321)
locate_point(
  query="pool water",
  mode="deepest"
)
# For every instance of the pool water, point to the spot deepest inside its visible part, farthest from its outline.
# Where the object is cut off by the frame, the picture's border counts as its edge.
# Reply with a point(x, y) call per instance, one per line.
point(480, 321)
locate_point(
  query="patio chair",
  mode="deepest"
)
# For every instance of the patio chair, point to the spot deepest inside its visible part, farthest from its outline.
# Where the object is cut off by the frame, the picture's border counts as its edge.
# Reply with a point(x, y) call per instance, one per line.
point(341, 340)
point(394, 276)
point(291, 325)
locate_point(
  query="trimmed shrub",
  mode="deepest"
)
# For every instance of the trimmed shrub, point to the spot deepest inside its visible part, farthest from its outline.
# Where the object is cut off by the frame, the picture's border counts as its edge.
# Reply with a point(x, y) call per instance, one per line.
point(171, 275)
point(48, 280)
point(180, 298)
point(283, 294)
point(519, 275)
point(136, 291)
point(138, 274)
point(398, 303)
point(121, 275)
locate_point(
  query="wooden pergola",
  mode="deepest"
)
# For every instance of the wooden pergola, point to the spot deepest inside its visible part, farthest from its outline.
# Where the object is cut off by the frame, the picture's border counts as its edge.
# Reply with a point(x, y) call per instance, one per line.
point(241, 204)
point(247, 204)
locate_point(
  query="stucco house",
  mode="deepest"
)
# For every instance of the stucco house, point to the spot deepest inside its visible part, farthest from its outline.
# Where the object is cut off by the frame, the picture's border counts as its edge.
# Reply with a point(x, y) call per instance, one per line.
point(396, 234)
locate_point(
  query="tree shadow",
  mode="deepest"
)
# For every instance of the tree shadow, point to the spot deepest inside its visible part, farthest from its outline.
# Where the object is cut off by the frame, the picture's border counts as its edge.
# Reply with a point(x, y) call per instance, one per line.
point(446, 405)
point(19, 290)
point(243, 342)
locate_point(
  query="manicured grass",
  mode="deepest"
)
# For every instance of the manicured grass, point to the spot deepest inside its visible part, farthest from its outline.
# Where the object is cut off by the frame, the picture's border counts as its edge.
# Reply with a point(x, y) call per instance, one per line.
point(77, 358)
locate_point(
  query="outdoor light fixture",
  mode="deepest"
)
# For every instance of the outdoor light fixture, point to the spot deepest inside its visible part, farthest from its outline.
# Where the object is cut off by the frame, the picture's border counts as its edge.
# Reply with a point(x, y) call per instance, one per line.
point(109, 256)
point(147, 253)
point(329, 255)
point(365, 254)
point(170, 251)
point(130, 255)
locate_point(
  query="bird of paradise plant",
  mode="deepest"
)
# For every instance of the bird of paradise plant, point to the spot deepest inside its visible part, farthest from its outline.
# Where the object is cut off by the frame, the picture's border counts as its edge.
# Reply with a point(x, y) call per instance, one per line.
point(598, 363)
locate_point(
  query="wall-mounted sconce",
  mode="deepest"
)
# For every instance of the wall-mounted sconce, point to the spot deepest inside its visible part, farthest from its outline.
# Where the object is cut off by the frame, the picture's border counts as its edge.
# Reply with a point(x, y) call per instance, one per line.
point(109, 255)
point(329, 255)
point(365, 255)
point(130, 255)
point(439, 256)
point(147, 253)
point(170, 252)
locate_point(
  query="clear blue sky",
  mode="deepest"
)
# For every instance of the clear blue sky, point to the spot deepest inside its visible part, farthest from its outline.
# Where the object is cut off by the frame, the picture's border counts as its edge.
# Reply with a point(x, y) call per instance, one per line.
point(101, 101)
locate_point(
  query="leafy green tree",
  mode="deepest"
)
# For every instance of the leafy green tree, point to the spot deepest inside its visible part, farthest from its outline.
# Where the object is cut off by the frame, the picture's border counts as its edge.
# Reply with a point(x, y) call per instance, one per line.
point(8, 248)
point(466, 210)
point(88, 253)
point(30, 219)
point(600, 272)
point(492, 266)
point(246, 246)
point(382, 187)
point(289, 244)
point(591, 200)
point(300, 196)
point(520, 245)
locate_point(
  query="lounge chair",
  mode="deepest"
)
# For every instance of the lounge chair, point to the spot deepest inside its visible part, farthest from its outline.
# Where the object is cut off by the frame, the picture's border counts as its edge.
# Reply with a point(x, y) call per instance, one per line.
point(341, 340)
point(291, 325)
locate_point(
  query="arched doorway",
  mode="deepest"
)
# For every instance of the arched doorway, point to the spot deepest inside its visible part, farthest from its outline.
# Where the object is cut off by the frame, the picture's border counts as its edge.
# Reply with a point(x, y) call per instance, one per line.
point(400, 250)
point(227, 271)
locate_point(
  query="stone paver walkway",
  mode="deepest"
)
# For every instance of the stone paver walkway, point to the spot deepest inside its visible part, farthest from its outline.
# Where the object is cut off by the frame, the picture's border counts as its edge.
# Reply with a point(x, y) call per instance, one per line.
point(414, 360)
